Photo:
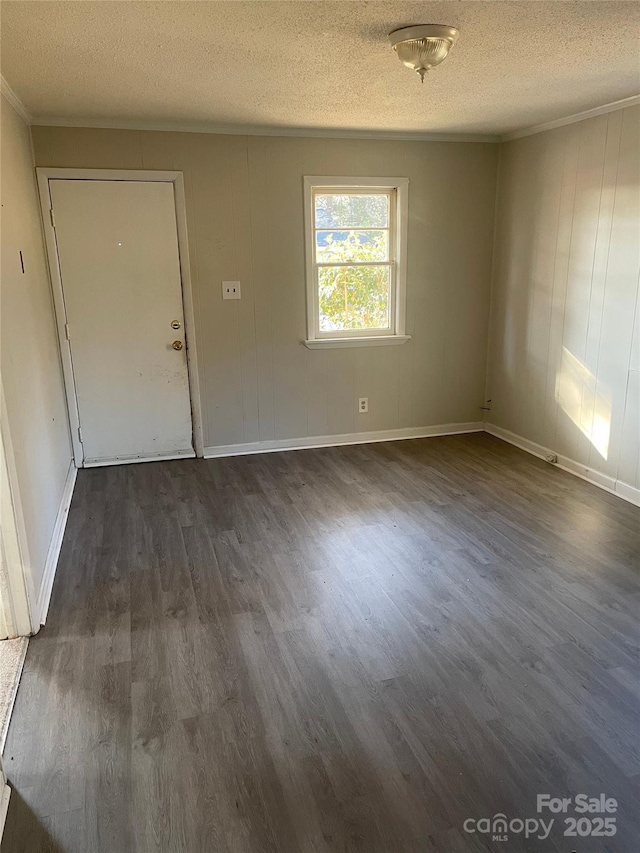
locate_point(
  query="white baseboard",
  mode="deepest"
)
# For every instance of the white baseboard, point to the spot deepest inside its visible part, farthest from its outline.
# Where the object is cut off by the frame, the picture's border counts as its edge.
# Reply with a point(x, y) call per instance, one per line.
point(309, 442)
point(629, 493)
point(51, 563)
point(130, 460)
point(597, 478)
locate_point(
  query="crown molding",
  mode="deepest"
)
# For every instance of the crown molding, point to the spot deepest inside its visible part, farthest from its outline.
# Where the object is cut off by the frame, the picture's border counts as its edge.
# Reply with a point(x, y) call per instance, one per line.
point(317, 132)
point(256, 130)
point(633, 101)
point(14, 100)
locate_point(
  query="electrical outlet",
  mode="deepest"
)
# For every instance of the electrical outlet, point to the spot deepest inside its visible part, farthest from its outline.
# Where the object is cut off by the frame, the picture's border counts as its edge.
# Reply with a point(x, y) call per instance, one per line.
point(231, 290)
point(363, 405)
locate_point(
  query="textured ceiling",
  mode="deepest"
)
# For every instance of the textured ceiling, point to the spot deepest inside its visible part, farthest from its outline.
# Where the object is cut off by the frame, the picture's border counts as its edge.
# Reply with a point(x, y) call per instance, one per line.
point(317, 64)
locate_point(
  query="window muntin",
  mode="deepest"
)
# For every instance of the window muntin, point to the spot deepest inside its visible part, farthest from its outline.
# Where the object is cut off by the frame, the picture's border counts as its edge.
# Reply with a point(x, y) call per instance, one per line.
point(334, 246)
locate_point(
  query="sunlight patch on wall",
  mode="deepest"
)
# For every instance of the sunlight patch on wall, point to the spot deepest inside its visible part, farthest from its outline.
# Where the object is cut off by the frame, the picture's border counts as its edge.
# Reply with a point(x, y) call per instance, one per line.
point(585, 400)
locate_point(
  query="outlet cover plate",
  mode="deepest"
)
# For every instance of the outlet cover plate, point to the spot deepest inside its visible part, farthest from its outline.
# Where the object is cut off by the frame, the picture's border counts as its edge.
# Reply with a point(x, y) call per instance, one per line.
point(231, 290)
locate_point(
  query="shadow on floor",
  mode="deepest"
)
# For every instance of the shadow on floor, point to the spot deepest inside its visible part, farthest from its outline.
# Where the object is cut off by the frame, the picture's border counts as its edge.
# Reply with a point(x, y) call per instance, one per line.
point(23, 831)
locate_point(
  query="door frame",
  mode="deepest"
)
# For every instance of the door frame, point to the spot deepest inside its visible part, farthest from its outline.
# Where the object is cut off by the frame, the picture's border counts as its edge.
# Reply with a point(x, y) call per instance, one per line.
point(5, 793)
point(18, 597)
point(44, 175)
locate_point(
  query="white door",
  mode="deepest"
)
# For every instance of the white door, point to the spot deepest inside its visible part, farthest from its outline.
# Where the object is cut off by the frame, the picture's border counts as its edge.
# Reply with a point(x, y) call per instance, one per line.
point(119, 263)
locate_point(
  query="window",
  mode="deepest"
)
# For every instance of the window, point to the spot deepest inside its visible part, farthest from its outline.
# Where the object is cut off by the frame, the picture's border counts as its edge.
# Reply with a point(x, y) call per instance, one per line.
point(356, 260)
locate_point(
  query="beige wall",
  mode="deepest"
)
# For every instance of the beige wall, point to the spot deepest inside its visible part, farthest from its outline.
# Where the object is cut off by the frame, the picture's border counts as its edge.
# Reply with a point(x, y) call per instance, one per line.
point(244, 207)
point(35, 412)
point(565, 331)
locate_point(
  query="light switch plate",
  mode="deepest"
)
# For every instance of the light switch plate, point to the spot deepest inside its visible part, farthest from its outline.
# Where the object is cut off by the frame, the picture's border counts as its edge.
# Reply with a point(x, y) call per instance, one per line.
point(231, 290)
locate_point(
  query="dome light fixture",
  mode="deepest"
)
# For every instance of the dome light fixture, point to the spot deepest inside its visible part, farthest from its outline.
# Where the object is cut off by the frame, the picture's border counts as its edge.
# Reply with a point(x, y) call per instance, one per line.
point(423, 46)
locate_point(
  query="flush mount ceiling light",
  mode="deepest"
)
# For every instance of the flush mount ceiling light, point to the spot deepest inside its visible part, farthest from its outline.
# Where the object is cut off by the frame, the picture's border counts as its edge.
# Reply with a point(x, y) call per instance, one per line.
point(423, 46)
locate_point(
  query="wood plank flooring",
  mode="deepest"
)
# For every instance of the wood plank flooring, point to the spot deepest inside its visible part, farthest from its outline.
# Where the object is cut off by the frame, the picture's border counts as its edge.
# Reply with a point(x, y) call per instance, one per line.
point(327, 651)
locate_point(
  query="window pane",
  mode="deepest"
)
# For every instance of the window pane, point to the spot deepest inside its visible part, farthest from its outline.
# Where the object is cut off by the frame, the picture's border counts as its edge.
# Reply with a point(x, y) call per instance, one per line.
point(335, 246)
point(353, 298)
point(352, 211)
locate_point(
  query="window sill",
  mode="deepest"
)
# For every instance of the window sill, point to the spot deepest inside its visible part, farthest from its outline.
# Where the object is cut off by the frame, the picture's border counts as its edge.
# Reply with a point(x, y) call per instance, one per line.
point(372, 341)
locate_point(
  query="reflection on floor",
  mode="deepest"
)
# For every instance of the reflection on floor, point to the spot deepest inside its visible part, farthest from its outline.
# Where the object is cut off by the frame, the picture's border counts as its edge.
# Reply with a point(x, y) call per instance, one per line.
point(329, 651)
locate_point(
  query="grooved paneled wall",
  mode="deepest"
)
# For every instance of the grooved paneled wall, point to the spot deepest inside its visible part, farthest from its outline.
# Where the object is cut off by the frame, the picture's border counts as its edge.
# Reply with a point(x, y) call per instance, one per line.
point(245, 220)
point(35, 426)
point(565, 331)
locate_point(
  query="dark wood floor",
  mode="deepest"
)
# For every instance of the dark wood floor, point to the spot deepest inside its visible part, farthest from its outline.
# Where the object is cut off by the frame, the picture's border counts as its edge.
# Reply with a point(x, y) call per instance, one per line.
point(347, 649)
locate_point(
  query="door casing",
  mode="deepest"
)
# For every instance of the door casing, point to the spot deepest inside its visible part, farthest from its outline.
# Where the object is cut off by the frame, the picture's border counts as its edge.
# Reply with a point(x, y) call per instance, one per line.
point(44, 175)
point(18, 596)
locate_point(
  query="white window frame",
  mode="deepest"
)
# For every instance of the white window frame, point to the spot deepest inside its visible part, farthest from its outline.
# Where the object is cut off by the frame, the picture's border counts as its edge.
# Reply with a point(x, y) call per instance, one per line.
point(398, 190)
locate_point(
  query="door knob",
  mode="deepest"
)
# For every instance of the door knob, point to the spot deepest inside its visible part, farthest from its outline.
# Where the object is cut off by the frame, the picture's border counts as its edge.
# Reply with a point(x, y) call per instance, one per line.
point(177, 344)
